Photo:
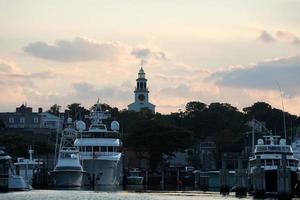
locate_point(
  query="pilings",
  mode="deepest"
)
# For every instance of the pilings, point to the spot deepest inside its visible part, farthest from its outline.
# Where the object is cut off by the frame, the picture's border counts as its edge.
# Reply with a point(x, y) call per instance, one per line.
point(259, 184)
point(224, 179)
point(284, 180)
point(241, 180)
point(204, 183)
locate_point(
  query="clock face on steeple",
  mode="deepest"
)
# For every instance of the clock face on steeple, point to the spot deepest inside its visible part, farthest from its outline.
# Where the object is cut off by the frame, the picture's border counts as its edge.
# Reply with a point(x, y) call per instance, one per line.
point(141, 97)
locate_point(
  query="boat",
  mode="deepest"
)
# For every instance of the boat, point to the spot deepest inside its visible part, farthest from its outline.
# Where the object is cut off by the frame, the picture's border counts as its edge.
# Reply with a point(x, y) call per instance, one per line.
point(269, 151)
point(296, 147)
point(9, 180)
point(134, 177)
point(100, 150)
point(27, 167)
point(68, 171)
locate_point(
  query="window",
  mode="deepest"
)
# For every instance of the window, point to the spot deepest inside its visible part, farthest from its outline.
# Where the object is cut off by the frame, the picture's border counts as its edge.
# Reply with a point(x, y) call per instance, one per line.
point(11, 120)
point(22, 120)
point(276, 162)
point(104, 149)
point(35, 120)
point(95, 149)
point(110, 149)
point(89, 149)
point(269, 162)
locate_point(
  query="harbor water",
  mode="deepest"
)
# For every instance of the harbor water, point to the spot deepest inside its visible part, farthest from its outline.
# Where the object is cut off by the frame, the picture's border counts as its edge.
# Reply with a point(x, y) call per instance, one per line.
point(117, 195)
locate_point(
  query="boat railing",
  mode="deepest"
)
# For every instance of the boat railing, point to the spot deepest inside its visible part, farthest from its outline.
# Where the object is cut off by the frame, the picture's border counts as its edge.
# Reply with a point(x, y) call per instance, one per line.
point(110, 134)
point(268, 148)
point(98, 154)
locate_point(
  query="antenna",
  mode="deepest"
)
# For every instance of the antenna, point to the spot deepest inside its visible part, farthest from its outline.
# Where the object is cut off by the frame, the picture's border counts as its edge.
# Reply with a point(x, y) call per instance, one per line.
point(283, 112)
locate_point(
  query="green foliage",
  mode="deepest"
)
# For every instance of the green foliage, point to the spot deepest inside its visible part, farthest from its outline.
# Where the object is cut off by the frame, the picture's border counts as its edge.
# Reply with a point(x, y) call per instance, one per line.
point(54, 109)
point(2, 125)
point(17, 144)
point(273, 117)
point(76, 111)
point(153, 135)
point(151, 139)
point(194, 107)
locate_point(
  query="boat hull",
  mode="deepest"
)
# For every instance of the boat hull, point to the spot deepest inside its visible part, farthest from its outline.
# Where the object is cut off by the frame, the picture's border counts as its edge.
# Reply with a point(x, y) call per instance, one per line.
point(102, 172)
point(17, 183)
point(271, 181)
point(65, 178)
point(135, 180)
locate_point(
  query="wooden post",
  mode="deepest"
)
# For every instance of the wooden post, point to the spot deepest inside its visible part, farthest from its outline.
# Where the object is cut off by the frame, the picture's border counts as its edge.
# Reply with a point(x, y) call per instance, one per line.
point(203, 180)
point(162, 182)
point(147, 177)
point(284, 180)
point(259, 185)
point(224, 182)
point(241, 180)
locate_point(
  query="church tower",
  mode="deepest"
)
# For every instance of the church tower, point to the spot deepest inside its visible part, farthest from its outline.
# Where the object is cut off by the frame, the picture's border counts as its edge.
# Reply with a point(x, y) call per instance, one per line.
point(141, 94)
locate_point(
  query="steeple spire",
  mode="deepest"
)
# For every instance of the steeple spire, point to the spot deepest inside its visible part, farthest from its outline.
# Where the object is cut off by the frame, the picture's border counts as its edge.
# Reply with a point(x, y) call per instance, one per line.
point(141, 74)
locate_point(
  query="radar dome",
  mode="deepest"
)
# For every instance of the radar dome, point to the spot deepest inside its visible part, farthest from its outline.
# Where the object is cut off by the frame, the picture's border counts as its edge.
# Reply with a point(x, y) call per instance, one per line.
point(115, 126)
point(282, 142)
point(80, 125)
point(69, 120)
point(260, 141)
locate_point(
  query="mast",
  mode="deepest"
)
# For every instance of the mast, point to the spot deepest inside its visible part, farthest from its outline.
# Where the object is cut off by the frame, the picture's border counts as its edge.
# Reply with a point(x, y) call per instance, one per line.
point(283, 112)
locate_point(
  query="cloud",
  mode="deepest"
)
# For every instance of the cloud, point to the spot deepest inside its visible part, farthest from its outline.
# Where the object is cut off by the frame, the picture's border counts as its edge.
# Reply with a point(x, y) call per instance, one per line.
point(264, 36)
point(79, 49)
point(87, 90)
point(145, 53)
point(288, 36)
point(5, 67)
point(181, 90)
point(263, 76)
point(12, 75)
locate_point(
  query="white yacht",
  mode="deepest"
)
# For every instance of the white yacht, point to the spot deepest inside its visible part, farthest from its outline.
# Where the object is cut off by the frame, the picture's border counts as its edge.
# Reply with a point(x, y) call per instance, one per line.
point(100, 150)
point(9, 180)
point(270, 150)
point(27, 167)
point(296, 148)
point(68, 171)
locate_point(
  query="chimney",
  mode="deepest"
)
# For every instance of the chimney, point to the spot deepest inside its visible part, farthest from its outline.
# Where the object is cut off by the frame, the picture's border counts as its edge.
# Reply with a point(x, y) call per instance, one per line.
point(40, 110)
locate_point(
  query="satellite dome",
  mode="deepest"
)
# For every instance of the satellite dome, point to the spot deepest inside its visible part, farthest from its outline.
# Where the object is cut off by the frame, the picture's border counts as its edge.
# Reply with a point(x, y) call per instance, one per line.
point(115, 126)
point(80, 125)
point(282, 142)
point(69, 120)
point(260, 141)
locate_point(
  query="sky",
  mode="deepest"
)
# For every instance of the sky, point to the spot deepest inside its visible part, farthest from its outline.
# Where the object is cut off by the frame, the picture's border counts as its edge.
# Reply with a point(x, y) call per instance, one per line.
point(233, 51)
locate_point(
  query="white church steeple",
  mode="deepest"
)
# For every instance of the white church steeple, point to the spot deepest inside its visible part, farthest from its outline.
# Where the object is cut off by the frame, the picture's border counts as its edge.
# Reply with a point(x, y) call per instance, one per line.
point(141, 100)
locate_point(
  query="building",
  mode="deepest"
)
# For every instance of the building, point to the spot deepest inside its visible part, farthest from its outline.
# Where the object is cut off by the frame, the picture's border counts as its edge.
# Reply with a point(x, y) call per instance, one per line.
point(141, 94)
point(25, 119)
point(52, 122)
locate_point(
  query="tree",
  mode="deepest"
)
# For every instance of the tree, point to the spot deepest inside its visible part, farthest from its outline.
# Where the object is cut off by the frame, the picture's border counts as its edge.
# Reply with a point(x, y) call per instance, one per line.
point(2, 125)
point(152, 139)
point(273, 117)
point(54, 109)
point(76, 112)
point(195, 106)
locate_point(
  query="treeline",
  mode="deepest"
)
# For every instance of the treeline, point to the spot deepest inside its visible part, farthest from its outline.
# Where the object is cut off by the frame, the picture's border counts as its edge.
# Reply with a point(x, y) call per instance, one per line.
point(154, 135)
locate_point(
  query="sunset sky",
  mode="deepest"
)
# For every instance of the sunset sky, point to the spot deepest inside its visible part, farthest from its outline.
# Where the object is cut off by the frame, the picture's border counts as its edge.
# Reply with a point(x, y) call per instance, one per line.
point(55, 51)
